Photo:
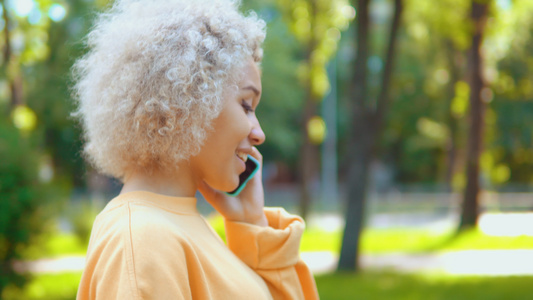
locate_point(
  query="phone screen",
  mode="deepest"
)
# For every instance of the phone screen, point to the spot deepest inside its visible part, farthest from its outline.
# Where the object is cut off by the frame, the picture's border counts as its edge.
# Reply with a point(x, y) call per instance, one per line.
point(252, 165)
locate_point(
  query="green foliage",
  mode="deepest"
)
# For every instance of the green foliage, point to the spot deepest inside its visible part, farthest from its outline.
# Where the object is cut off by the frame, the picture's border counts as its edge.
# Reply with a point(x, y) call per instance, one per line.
point(23, 201)
point(317, 24)
point(428, 85)
point(81, 215)
point(428, 22)
point(392, 286)
point(282, 96)
point(512, 144)
point(47, 90)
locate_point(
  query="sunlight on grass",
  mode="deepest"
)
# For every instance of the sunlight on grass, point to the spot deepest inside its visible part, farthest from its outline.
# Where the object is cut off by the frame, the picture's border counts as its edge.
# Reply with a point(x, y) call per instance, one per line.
point(390, 286)
point(476, 239)
point(401, 240)
point(319, 240)
point(375, 241)
point(55, 245)
point(46, 287)
point(343, 286)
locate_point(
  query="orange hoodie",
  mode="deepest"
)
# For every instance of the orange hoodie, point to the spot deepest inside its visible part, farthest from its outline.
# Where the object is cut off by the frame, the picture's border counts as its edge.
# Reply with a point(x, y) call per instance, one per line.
point(150, 246)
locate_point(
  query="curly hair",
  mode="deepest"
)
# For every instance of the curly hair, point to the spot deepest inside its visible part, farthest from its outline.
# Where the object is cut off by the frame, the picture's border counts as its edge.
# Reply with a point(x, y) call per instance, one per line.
point(154, 77)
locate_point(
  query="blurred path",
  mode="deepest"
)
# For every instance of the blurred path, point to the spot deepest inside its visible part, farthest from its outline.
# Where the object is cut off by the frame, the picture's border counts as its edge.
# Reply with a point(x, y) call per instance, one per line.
point(471, 262)
point(468, 262)
point(52, 265)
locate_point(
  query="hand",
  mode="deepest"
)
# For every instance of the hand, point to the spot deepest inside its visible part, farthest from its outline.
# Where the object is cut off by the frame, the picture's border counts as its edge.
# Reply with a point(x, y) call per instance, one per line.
point(247, 206)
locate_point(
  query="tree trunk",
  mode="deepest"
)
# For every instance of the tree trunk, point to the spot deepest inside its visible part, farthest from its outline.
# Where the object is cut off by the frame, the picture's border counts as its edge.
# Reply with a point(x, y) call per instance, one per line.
point(366, 128)
point(451, 147)
point(308, 157)
point(383, 99)
point(358, 174)
point(358, 159)
point(308, 151)
point(470, 209)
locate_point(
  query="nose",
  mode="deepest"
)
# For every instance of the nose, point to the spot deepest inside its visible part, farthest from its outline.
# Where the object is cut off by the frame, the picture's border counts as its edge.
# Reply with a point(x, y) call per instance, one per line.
point(257, 136)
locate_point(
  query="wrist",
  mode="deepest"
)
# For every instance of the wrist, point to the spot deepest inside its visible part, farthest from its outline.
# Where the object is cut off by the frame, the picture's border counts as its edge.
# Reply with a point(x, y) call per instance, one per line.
point(258, 220)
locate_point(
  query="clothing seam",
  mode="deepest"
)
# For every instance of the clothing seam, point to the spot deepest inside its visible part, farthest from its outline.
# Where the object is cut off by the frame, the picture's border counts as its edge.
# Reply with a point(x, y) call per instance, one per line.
point(150, 204)
point(133, 276)
point(280, 282)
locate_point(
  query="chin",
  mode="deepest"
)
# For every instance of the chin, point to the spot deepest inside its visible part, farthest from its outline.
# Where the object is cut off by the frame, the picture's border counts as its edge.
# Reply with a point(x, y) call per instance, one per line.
point(226, 185)
point(233, 186)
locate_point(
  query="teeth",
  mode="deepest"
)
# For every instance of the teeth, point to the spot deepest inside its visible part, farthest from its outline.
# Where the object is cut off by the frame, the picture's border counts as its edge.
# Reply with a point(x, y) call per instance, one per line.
point(242, 156)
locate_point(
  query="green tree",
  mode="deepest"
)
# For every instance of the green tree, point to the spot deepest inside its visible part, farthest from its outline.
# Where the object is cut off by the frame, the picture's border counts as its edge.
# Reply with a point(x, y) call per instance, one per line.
point(25, 201)
point(439, 29)
point(317, 25)
point(508, 157)
point(30, 187)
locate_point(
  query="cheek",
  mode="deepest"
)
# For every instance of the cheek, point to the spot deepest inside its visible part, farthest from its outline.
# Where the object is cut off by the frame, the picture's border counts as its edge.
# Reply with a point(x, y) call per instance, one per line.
point(231, 128)
point(243, 127)
point(243, 132)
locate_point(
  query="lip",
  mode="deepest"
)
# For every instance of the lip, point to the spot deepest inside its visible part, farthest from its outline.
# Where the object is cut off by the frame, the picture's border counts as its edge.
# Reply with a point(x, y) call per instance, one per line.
point(247, 151)
point(242, 164)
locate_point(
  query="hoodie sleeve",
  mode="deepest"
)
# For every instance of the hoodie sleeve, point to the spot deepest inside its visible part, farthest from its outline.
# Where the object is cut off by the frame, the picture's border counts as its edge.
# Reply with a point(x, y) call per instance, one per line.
point(273, 253)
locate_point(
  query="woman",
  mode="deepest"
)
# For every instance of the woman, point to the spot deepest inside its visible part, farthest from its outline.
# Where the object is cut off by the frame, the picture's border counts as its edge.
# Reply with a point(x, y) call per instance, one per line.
point(167, 97)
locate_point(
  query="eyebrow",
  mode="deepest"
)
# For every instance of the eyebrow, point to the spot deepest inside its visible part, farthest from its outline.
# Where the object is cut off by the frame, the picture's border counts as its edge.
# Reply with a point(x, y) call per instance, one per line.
point(252, 88)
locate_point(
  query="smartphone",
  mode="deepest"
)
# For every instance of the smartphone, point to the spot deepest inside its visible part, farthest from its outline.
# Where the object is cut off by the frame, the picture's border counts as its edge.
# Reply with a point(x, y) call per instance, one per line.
point(252, 165)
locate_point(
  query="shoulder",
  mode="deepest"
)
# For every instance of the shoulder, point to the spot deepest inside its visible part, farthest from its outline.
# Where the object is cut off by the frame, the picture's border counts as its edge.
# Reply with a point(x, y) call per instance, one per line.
point(161, 250)
point(150, 237)
point(138, 227)
point(153, 227)
point(142, 245)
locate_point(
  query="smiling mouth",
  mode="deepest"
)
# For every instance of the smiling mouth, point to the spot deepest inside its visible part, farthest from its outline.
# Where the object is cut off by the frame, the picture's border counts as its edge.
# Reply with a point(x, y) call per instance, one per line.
point(243, 156)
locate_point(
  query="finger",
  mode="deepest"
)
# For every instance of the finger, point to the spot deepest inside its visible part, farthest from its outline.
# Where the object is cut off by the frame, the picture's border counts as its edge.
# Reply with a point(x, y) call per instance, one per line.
point(257, 155)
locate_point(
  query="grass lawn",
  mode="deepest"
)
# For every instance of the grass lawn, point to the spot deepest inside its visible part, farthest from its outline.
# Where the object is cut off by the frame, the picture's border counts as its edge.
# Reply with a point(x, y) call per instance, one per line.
point(391, 286)
point(55, 245)
point(415, 240)
point(376, 241)
point(61, 286)
point(368, 285)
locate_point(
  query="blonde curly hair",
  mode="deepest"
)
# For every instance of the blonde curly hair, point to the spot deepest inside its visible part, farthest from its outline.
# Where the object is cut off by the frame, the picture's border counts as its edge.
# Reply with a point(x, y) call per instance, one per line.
point(153, 79)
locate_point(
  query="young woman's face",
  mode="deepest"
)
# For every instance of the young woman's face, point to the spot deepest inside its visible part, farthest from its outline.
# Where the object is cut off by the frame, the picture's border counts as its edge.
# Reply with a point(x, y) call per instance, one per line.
point(235, 131)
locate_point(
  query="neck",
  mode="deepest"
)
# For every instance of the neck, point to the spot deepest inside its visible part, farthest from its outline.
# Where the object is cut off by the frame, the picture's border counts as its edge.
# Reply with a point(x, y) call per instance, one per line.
point(179, 183)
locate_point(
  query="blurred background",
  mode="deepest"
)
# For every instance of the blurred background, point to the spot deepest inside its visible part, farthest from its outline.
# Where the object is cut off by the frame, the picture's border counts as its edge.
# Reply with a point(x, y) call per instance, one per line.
point(402, 130)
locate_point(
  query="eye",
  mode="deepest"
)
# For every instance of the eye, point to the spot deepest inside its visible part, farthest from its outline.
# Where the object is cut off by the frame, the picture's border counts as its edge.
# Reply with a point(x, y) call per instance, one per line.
point(247, 107)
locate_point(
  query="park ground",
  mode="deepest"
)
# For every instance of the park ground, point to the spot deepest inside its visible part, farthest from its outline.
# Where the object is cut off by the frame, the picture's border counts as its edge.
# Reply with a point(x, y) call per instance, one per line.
point(400, 262)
